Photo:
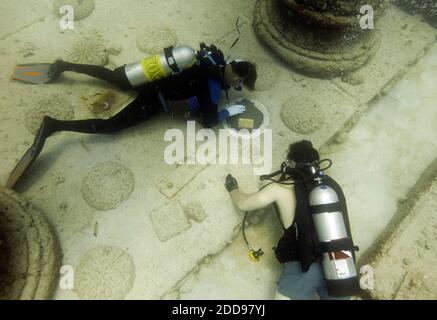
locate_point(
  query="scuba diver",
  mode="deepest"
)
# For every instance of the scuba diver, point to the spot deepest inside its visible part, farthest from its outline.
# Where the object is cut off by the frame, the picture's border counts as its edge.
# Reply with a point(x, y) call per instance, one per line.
point(178, 74)
point(316, 247)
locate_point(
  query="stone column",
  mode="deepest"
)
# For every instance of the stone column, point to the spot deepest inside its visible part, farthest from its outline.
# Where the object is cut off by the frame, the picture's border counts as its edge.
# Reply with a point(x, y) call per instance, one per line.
point(321, 38)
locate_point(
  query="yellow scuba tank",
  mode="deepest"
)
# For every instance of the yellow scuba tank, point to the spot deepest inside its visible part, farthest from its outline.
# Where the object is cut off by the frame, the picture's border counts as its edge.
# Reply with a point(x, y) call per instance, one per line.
point(171, 61)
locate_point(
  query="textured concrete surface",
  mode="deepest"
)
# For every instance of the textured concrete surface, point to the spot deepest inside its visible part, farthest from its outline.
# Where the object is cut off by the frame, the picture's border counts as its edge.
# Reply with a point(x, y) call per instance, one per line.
point(29, 250)
point(55, 183)
point(404, 265)
point(383, 164)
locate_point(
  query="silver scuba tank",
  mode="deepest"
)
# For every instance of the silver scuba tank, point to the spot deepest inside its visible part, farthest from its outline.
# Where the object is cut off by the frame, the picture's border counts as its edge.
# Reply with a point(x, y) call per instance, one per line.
point(336, 245)
point(171, 61)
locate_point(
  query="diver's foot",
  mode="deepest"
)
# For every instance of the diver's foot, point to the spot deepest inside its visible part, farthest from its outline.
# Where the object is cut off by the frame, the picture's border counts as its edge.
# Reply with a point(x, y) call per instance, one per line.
point(48, 127)
point(21, 168)
point(57, 68)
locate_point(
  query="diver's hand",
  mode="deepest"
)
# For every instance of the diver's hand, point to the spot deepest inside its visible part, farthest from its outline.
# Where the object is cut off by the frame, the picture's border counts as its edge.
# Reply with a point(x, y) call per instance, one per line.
point(231, 183)
point(236, 110)
point(230, 112)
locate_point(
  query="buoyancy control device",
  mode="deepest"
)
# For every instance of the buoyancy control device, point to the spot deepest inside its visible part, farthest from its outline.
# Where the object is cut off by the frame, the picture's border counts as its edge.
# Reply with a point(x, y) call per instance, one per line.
point(330, 224)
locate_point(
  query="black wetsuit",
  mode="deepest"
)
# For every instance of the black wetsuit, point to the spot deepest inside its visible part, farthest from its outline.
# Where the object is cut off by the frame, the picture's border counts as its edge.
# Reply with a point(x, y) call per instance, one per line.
point(193, 82)
point(201, 84)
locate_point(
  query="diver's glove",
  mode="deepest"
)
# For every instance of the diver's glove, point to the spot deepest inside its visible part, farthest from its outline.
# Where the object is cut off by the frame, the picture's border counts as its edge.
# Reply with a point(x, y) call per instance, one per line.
point(231, 111)
point(231, 183)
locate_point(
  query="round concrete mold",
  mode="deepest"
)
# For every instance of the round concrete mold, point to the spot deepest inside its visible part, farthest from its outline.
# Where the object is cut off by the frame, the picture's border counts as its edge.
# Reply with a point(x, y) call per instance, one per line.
point(107, 186)
point(326, 47)
point(105, 273)
point(89, 52)
point(302, 115)
point(250, 123)
point(29, 251)
point(82, 8)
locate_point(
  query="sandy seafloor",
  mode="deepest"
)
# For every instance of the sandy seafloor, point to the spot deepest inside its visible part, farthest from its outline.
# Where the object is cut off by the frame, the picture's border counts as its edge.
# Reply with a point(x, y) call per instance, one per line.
point(134, 227)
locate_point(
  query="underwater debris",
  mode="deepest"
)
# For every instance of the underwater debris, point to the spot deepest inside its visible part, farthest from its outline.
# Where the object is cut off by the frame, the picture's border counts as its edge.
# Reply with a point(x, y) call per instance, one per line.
point(82, 8)
point(154, 39)
point(89, 52)
point(96, 229)
point(29, 252)
point(105, 273)
point(302, 115)
point(100, 103)
point(107, 185)
point(194, 211)
point(53, 106)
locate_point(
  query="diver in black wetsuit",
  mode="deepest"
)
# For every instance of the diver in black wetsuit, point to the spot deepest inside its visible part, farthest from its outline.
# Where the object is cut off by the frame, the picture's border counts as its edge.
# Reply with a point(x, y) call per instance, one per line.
point(201, 84)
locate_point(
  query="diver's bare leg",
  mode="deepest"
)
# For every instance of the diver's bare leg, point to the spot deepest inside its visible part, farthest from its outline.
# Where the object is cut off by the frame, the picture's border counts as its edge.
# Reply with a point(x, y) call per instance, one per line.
point(135, 113)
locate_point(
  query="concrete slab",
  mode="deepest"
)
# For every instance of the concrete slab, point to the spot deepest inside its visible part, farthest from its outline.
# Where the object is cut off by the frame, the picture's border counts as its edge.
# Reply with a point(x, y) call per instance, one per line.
point(55, 181)
point(403, 267)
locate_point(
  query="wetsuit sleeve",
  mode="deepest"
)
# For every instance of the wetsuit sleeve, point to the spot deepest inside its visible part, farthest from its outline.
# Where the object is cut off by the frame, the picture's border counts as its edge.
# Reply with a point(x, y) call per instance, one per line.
point(209, 100)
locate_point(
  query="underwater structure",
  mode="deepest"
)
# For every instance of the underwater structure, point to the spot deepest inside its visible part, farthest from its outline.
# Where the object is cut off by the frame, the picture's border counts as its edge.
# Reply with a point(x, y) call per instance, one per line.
point(321, 38)
point(104, 217)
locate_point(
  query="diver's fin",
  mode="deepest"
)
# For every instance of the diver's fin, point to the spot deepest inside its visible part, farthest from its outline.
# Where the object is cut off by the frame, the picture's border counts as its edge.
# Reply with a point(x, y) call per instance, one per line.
point(22, 166)
point(30, 156)
point(35, 73)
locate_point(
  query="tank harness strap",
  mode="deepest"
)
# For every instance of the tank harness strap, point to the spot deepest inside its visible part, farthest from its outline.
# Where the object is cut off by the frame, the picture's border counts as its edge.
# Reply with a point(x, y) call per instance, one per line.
point(330, 207)
point(337, 245)
point(168, 52)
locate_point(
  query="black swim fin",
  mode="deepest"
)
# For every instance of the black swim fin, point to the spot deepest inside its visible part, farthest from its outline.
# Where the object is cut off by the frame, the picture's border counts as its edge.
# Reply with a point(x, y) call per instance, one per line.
point(30, 156)
point(36, 73)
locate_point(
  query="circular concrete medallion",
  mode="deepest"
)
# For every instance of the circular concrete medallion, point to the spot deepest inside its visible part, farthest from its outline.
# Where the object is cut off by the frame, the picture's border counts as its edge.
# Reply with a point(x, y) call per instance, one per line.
point(105, 273)
point(81, 8)
point(89, 51)
point(107, 185)
point(302, 115)
point(154, 39)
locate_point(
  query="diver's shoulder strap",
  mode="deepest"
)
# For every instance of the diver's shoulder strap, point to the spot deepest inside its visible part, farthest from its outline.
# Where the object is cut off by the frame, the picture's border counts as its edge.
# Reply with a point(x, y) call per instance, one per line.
point(168, 52)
